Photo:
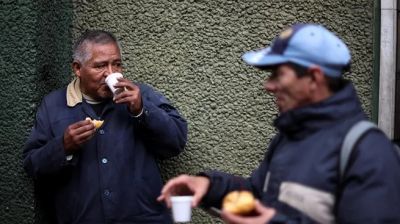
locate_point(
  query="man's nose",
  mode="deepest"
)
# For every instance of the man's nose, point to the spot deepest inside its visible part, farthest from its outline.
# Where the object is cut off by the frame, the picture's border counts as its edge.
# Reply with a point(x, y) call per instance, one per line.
point(269, 85)
point(110, 69)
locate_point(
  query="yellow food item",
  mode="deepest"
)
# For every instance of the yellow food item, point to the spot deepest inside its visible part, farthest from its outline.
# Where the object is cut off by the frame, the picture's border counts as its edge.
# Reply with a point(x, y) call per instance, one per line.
point(239, 202)
point(97, 123)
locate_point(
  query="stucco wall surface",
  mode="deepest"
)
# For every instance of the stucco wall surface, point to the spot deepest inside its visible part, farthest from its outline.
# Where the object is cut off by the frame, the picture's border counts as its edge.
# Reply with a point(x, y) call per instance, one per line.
point(189, 50)
point(35, 45)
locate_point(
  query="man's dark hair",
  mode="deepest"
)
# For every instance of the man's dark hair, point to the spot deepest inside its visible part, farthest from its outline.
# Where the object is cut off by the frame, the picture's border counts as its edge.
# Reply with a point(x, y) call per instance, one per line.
point(334, 84)
point(80, 53)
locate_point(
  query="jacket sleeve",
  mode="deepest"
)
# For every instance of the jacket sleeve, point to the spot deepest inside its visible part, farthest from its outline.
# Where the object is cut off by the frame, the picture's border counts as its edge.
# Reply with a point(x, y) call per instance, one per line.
point(371, 192)
point(44, 154)
point(222, 183)
point(163, 129)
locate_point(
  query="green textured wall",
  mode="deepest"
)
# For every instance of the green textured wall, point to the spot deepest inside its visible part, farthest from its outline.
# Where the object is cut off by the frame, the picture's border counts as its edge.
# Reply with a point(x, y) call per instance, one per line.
point(35, 50)
point(190, 50)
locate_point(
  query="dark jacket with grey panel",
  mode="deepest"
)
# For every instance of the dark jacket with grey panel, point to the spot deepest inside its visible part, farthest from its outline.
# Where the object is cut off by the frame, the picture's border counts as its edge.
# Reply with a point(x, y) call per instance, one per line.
point(113, 177)
point(299, 175)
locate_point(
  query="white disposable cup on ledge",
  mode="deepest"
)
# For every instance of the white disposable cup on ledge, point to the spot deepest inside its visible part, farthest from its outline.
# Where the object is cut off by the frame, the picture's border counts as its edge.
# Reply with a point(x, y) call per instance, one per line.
point(181, 208)
point(111, 80)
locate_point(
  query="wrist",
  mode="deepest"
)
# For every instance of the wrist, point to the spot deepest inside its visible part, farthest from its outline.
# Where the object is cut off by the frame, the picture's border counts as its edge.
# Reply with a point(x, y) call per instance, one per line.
point(136, 115)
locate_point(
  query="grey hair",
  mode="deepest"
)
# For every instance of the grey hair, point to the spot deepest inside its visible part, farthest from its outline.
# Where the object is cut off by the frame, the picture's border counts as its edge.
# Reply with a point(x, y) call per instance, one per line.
point(80, 52)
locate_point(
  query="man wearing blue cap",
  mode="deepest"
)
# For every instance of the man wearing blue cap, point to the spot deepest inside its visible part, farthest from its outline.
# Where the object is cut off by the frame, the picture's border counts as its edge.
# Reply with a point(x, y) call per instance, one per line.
point(299, 180)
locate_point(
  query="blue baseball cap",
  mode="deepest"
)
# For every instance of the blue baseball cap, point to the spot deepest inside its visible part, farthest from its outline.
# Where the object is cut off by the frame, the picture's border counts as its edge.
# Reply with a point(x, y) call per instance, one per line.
point(305, 45)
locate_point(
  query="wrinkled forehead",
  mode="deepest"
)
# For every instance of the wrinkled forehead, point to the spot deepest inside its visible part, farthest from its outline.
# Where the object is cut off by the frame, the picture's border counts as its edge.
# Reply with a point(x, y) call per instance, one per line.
point(102, 51)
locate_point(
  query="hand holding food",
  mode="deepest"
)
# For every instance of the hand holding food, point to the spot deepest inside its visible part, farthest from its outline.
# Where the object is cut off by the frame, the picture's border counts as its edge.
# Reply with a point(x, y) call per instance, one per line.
point(97, 123)
point(260, 215)
point(239, 202)
point(78, 133)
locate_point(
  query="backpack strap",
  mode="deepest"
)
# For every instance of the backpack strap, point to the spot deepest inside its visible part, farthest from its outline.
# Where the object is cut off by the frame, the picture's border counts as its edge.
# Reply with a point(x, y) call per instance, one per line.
point(397, 148)
point(351, 138)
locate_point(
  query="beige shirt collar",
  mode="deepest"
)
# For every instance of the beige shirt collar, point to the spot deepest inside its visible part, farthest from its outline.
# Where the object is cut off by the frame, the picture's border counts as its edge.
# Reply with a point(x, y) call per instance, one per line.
point(74, 94)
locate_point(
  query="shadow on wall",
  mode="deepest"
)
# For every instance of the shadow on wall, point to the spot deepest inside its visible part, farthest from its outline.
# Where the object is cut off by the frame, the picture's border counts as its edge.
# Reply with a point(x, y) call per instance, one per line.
point(54, 42)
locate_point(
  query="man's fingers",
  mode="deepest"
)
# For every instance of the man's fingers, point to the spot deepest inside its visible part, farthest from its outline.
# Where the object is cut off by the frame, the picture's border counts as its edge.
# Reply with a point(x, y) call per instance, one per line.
point(79, 124)
point(185, 185)
point(85, 128)
point(161, 198)
point(135, 93)
point(182, 179)
point(131, 96)
point(259, 207)
point(126, 83)
point(166, 198)
point(263, 215)
point(196, 200)
point(81, 131)
point(125, 97)
point(86, 135)
point(171, 187)
point(232, 219)
point(79, 139)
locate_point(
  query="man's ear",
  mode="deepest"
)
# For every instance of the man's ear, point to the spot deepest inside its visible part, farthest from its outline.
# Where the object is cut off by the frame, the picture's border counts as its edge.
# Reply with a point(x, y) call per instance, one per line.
point(317, 77)
point(76, 67)
point(317, 74)
point(320, 83)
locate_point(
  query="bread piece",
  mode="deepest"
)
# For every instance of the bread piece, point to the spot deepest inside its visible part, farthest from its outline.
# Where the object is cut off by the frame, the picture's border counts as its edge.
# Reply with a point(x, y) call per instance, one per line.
point(97, 123)
point(239, 202)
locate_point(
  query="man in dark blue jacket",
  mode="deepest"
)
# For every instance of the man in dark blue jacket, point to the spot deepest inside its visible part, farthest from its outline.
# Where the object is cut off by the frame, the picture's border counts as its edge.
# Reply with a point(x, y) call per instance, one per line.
point(299, 180)
point(105, 174)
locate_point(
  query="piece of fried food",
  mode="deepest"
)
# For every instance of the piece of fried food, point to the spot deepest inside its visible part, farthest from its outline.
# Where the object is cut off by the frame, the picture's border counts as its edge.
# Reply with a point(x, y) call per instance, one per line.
point(97, 123)
point(239, 202)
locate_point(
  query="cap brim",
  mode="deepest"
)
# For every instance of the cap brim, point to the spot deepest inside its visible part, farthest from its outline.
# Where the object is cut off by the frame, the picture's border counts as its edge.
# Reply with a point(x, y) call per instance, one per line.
point(262, 58)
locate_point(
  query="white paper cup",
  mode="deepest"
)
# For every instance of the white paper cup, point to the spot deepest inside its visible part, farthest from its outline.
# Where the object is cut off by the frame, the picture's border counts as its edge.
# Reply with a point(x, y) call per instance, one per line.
point(111, 80)
point(182, 208)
